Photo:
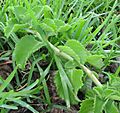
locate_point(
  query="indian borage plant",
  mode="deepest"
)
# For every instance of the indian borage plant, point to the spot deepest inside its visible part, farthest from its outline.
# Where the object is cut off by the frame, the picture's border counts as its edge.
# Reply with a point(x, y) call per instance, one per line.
point(28, 20)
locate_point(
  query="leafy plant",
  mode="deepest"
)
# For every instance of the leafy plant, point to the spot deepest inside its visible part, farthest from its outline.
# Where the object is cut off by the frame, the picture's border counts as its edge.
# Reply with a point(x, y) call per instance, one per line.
point(77, 40)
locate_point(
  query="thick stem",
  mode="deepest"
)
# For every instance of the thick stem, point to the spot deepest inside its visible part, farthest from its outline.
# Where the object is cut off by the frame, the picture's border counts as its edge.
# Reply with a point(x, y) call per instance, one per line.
point(68, 57)
point(91, 75)
point(87, 71)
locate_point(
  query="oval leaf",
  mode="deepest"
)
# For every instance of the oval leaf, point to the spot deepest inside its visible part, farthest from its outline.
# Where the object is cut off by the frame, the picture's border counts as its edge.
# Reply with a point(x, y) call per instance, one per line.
point(79, 49)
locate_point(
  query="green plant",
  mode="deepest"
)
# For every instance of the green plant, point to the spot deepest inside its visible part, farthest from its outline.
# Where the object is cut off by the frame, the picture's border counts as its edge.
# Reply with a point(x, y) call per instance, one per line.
point(66, 33)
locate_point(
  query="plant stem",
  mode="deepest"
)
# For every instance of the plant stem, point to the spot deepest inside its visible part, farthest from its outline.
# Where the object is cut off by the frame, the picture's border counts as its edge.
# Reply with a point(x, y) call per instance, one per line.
point(91, 75)
point(66, 56)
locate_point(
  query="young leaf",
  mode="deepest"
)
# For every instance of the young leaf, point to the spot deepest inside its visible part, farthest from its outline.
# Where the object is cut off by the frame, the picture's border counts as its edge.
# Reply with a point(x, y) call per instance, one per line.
point(87, 106)
point(64, 28)
point(70, 52)
point(79, 49)
point(45, 27)
point(24, 48)
point(19, 11)
point(47, 12)
point(95, 60)
point(59, 23)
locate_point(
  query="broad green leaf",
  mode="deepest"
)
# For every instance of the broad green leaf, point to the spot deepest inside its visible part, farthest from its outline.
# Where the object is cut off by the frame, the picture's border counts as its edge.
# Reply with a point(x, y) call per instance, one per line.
point(70, 65)
point(87, 106)
point(19, 12)
point(38, 10)
point(59, 22)
point(98, 105)
point(95, 60)
point(79, 49)
point(47, 12)
point(111, 108)
point(75, 76)
point(64, 28)
point(24, 48)
point(45, 27)
point(50, 22)
point(70, 52)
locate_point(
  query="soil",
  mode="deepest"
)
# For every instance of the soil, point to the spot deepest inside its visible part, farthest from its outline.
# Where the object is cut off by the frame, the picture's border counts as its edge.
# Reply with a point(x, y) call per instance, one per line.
point(6, 69)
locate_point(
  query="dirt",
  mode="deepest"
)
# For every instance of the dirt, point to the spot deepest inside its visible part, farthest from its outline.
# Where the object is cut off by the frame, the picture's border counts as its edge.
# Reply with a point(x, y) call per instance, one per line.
point(6, 69)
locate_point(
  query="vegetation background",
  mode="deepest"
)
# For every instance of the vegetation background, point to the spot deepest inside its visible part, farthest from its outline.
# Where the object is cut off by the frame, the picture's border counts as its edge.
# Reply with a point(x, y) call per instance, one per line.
point(60, 56)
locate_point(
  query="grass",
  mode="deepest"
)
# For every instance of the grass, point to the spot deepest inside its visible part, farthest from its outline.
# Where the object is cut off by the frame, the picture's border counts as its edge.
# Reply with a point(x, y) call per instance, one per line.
point(79, 40)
